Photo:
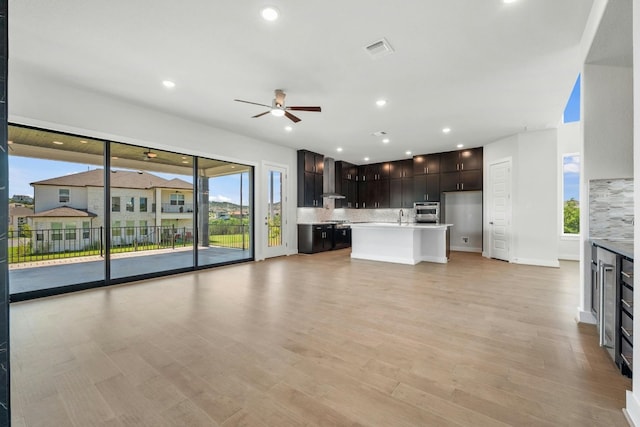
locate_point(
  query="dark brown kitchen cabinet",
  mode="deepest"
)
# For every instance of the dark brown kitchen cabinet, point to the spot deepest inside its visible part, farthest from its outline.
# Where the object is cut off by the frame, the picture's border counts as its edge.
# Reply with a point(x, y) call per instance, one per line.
point(310, 169)
point(401, 169)
point(461, 170)
point(401, 184)
point(427, 164)
point(346, 184)
point(401, 193)
point(456, 161)
point(374, 172)
point(313, 238)
point(426, 188)
point(373, 194)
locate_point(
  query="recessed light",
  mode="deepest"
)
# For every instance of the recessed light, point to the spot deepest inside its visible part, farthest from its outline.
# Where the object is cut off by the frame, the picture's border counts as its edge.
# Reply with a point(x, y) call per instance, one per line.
point(446, 130)
point(508, 1)
point(168, 84)
point(381, 102)
point(385, 141)
point(460, 145)
point(339, 149)
point(288, 128)
point(366, 159)
point(270, 13)
point(408, 153)
point(58, 142)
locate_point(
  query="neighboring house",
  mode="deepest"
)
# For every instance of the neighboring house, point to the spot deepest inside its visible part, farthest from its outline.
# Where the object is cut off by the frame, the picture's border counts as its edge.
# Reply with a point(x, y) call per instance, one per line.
point(69, 210)
point(21, 198)
point(18, 215)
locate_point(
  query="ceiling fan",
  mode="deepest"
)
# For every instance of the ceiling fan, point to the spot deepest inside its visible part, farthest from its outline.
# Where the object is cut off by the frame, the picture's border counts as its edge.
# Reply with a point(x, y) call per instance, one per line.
point(278, 109)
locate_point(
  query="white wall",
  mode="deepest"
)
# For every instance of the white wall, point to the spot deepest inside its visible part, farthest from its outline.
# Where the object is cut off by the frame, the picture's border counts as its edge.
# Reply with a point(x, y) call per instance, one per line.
point(569, 141)
point(58, 105)
point(534, 226)
point(633, 398)
point(464, 210)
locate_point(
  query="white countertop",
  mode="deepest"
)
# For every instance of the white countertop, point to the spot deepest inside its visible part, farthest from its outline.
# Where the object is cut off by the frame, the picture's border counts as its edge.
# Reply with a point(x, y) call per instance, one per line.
point(414, 225)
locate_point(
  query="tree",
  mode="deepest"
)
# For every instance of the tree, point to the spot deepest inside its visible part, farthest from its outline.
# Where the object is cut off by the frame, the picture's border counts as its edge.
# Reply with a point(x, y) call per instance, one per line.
point(25, 230)
point(571, 216)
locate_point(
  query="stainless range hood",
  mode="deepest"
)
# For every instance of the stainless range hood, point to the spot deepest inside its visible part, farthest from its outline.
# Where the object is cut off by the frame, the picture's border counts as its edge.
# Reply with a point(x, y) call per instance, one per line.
point(329, 180)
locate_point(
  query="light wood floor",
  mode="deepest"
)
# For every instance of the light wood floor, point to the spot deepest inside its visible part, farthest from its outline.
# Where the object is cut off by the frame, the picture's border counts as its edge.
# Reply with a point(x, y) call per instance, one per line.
point(318, 340)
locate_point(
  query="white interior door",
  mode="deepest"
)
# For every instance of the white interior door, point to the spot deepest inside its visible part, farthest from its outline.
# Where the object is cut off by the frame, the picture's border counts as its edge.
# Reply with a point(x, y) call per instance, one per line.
point(275, 210)
point(500, 210)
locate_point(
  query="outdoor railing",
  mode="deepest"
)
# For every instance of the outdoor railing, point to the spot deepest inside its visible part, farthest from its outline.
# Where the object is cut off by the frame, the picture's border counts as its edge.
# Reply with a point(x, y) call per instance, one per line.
point(169, 208)
point(49, 244)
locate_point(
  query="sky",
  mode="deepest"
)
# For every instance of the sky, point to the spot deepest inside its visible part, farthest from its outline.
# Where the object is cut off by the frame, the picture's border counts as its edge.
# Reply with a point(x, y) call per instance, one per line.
point(571, 163)
point(25, 170)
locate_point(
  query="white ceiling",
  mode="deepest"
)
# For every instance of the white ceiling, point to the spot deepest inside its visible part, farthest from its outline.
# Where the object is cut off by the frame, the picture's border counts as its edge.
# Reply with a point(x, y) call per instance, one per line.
point(483, 68)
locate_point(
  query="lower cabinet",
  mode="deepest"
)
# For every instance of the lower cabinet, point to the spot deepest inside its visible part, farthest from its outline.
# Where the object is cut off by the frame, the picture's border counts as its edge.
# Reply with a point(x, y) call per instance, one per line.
point(313, 238)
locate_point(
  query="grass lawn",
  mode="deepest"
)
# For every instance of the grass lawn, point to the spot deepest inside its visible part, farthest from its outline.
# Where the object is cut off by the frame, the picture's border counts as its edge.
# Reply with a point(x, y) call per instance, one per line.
point(229, 240)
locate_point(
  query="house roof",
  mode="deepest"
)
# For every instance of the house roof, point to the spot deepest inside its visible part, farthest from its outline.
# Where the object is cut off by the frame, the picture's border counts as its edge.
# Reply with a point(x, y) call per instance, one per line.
point(65, 212)
point(19, 211)
point(119, 179)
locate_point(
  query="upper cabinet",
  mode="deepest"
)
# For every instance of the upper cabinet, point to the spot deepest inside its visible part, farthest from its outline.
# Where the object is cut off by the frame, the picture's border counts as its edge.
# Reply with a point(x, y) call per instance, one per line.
point(426, 164)
point(346, 184)
point(461, 170)
point(310, 169)
point(401, 169)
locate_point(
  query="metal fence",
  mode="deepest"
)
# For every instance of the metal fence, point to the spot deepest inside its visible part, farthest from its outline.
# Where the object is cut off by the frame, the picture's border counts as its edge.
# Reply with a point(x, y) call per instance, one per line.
point(48, 244)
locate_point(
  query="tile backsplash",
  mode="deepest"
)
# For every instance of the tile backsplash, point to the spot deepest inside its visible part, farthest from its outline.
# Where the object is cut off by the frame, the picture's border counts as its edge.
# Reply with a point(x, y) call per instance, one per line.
point(315, 215)
point(611, 208)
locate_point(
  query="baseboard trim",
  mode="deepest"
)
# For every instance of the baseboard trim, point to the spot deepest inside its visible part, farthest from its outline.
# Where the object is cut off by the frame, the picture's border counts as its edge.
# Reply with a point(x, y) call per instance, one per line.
point(538, 262)
point(465, 249)
point(632, 411)
point(585, 317)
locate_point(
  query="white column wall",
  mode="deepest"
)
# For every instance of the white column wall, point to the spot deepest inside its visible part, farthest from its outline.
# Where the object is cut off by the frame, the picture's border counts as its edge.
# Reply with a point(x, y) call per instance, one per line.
point(534, 195)
point(59, 105)
point(633, 396)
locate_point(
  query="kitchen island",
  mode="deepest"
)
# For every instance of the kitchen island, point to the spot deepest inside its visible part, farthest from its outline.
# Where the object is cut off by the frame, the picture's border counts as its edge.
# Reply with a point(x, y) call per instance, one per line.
point(406, 243)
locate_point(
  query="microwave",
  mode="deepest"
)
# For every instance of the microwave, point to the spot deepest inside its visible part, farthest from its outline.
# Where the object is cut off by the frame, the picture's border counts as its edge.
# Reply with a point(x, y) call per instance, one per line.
point(427, 211)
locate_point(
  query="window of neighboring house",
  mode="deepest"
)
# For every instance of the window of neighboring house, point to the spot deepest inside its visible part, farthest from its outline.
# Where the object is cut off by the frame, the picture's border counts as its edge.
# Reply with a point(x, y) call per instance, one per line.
point(571, 194)
point(56, 231)
point(70, 232)
point(130, 203)
point(39, 235)
point(143, 227)
point(131, 228)
point(143, 204)
point(115, 204)
point(177, 199)
point(63, 195)
point(86, 226)
point(116, 231)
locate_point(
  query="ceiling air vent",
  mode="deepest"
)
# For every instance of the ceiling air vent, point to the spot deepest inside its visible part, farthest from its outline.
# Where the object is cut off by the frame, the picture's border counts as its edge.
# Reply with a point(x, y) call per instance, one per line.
point(379, 48)
point(378, 133)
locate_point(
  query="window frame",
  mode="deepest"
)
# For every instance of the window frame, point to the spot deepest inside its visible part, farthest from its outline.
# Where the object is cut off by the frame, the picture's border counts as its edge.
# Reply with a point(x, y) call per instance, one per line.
point(64, 198)
point(115, 205)
point(564, 234)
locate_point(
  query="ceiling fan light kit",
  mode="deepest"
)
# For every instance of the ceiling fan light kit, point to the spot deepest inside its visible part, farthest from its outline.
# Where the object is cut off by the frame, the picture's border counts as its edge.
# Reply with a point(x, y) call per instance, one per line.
point(278, 108)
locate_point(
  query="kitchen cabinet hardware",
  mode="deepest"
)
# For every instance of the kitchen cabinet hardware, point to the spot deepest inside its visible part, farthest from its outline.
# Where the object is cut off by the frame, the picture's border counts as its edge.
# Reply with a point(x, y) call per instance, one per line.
point(627, 359)
point(627, 275)
point(629, 334)
point(627, 304)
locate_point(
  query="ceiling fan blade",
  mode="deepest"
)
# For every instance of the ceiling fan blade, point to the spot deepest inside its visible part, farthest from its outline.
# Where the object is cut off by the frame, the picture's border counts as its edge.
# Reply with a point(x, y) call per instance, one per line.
point(254, 103)
point(291, 117)
point(261, 114)
point(317, 109)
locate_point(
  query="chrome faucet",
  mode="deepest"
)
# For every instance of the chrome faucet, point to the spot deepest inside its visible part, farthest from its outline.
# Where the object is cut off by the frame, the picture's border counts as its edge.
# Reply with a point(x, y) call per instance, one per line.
point(400, 215)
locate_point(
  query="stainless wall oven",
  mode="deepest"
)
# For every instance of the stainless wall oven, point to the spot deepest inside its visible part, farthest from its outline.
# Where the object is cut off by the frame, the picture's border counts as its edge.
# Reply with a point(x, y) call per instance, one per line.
point(427, 211)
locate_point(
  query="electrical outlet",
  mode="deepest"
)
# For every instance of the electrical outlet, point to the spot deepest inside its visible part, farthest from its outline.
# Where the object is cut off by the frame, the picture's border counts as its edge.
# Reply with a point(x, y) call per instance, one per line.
point(465, 239)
